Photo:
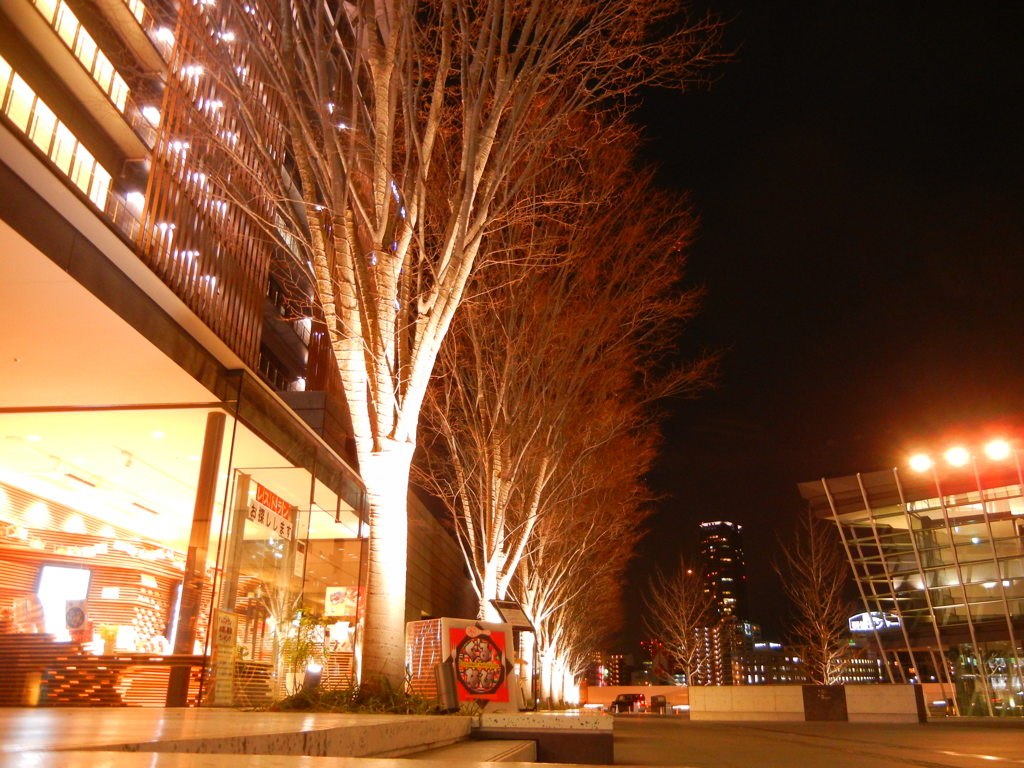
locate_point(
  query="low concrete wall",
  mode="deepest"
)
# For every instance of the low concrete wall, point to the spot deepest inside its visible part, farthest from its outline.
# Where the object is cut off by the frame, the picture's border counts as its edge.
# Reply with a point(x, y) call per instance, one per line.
point(864, 703)
point(885, 703)
point(605, 695)
point(747, 702)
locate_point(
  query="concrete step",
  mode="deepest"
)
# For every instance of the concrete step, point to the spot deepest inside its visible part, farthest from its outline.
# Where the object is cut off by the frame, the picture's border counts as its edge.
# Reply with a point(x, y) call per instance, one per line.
point(490, 751)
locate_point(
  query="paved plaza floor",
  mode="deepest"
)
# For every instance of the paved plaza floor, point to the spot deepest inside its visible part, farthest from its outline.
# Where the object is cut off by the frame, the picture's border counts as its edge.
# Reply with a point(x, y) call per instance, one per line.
point(962, 743)
point(55, 738)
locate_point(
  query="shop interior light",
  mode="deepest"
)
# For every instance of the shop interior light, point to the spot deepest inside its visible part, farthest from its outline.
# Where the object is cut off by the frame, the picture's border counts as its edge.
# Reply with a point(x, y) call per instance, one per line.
point(957, 456)
point(920, 462)
point(997, 450)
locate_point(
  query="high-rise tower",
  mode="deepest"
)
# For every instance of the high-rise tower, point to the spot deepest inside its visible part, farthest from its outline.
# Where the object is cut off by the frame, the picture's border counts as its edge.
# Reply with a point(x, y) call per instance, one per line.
point(724, 567)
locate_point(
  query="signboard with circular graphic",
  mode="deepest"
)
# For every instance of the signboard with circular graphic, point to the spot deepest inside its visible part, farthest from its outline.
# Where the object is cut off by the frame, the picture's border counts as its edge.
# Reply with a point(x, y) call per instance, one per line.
point(479, 660)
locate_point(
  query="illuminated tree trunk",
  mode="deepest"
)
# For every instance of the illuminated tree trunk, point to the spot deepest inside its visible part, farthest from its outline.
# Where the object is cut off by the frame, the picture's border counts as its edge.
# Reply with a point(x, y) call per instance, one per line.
point(547, 676)
point(490, 592)
point(386, 475)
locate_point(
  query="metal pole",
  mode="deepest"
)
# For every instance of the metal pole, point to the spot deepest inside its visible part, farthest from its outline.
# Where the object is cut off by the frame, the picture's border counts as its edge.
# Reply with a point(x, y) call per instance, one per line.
point(998, 571)
point(888, 577)
point(927, 591)
point(983, 679)
point(856, 578)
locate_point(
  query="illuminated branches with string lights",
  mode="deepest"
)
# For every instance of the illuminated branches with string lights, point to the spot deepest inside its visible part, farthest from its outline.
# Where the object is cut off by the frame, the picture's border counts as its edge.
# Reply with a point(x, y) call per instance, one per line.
point(382, 142)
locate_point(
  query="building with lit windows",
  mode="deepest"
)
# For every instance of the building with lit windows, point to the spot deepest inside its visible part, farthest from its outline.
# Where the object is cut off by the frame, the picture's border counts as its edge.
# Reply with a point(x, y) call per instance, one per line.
point(723, 567)
point(175, 474)
point(938, 551)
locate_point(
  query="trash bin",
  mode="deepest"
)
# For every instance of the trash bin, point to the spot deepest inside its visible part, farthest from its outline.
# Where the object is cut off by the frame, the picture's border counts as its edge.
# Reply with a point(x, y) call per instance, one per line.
point(659, 705)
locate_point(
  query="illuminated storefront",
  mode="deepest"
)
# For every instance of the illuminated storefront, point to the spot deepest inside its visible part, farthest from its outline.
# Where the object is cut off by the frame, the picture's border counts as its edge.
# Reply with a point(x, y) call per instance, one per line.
point(940, 554)
point(165, 517)
point(98, 513)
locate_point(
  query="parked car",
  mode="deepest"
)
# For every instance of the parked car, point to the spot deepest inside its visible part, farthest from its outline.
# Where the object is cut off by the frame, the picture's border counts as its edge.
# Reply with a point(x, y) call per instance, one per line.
point(629, 702)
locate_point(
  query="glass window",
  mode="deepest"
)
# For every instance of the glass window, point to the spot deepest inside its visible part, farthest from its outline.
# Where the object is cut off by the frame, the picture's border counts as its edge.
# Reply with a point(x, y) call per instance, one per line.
point(66, 25)
point(86, 50)
point(5, 80)
point(118, 91)
point(100, 187)
point(19, 106)
point(42, 126)
point(138, 9)
point(103, 73)
point(81, 168)
point(48, 8)
point(63, 148)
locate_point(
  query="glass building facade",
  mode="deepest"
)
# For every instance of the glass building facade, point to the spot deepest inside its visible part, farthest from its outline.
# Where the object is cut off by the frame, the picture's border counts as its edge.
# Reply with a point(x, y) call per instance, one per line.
point(940, 554)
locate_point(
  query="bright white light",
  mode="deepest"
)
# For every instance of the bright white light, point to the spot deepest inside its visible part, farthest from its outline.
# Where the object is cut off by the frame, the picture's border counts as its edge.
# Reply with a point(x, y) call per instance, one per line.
point(997, 450)
point(975, 540)
point(33, 438)
point(158, 435)
point(990, 584)
point(165, 35)
point(152, 114)
point(957, 456)
point(135, 199)
point(227, 37)
point(74, 524)
point(920, 462)
point(38, 515)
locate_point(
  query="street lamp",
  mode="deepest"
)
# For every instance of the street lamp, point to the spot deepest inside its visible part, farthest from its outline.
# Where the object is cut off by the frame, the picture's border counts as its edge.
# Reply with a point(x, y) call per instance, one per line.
point(997, 450)
point(920, 462)
point(957, 456)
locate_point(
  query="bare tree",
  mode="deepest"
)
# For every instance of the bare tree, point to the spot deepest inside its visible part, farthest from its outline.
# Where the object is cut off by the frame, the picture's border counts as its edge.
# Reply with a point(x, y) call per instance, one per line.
point(814, 577)
point(677, 606)
point(409, 130)
point(570, 581)
point(542, 371)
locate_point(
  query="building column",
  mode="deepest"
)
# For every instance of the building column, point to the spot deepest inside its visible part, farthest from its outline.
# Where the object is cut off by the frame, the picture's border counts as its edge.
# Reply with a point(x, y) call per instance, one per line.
point(195, 563)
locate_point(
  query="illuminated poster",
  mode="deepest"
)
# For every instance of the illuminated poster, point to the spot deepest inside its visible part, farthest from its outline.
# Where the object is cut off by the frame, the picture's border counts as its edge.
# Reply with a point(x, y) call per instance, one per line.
point(479, 659)
point(224, 629)
point(341, 601)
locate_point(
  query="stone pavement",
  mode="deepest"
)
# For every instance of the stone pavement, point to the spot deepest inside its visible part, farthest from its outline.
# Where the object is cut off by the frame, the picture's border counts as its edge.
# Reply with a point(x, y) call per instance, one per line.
point(121, 738)
point(669, 741)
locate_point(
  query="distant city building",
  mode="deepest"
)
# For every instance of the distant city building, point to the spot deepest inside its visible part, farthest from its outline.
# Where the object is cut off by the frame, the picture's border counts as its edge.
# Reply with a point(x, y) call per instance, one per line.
point(608, 669)
point(723, 567)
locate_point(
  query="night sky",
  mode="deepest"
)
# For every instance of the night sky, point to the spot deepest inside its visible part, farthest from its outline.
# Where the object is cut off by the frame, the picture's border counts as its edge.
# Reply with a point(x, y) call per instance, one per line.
point(859, 172)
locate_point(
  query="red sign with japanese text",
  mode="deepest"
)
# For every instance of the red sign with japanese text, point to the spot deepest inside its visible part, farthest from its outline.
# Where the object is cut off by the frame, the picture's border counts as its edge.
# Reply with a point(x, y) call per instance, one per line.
point(270, 510)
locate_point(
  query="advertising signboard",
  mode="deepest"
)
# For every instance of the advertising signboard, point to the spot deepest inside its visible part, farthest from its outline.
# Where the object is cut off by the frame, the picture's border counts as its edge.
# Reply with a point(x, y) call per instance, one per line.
point(873, 621)
point(478, 656)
